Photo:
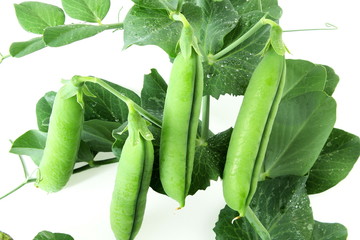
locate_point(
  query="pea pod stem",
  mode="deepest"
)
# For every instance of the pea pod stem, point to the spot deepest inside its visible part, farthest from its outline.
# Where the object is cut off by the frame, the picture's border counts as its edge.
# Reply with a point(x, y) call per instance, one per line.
point(257, 225)
point(95, 164)
point(240, 40)
point(122, 97)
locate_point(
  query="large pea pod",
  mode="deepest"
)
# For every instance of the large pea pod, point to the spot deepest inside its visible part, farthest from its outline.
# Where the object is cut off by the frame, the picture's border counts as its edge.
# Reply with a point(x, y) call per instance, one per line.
point(254, 121)
point(62, 143)
point(132, 180)
point(180, 121)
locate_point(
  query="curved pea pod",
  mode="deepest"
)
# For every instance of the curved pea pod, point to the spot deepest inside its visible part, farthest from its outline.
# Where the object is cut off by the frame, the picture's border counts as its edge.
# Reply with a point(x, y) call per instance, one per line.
point(251, 131)
point(62, 143)
point(179, 127)
point(132, 180)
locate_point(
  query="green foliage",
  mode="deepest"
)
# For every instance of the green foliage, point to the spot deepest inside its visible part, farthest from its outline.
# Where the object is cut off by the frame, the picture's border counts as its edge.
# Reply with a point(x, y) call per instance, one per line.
point(31, 143)
point(302, 77)
point(143, 26)
point(66, 34)
point(209, 161)
point(332, 80)
point(338, 156)
point(87, 10)
point(43, 110)
point(300, 130)
point(305, 154)
point(153, 93)
point(20, 49)
point(4, 236)
point(46, 235)
point(329, 231)
point(282, 206)
point(98, 134)
point(36, 16)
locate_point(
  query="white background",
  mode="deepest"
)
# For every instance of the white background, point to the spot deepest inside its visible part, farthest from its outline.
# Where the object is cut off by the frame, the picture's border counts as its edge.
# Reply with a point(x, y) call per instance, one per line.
point(82, 209)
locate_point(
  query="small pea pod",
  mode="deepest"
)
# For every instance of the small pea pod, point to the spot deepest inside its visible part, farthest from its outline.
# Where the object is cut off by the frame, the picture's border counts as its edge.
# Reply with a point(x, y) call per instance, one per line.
point(132, 179)
point(62, 143)
point(251, 131)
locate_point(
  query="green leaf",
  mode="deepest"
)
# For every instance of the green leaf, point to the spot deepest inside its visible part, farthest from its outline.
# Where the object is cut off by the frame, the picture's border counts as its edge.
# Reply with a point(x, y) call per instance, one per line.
point(4, 236)
point(66, 34)
point(107, 106)
point(194, 14)
point(331, 81)
point(209, 161)
point(85, 154)
point(36, 16)
point(153, 93)
point(120, 135)
point(336, 159)
point(31, 143)
point(86, 10)
point(43, 110)
point(98, 134)
point(46, 235)
point(231, 74)
point(220, 18)
point(302, 77)
point(329, 231)
point(157, 4)
point(144, 26)
point(20, 49)
point(301, 128)
point(267, 6)
point(282, 206)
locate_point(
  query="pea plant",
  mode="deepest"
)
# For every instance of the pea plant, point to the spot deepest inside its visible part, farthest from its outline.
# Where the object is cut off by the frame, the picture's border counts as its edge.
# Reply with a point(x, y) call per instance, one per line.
point(283, 146)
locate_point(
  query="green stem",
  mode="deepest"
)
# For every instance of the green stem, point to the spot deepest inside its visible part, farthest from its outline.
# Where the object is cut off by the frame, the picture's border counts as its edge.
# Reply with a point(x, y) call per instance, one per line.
point(122, 97)
point(95, 164)
point(257, 225)
point(114, 26)
point(26, 172)
point(29, 180)
point(205, 118)
point(241, 39)
point(92, 164)
point(2, 57)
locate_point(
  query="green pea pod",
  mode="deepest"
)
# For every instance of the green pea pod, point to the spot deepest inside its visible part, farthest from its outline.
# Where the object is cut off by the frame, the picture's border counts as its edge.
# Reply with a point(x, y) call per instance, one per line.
point(266, 136)
point(132, 179)
point(62, 143)
point(180, 122)
point(248, 138)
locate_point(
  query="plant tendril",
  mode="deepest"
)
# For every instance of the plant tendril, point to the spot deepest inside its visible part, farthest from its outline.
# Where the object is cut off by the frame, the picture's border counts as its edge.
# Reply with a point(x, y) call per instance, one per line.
point(328, 26)
point(29, 180)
